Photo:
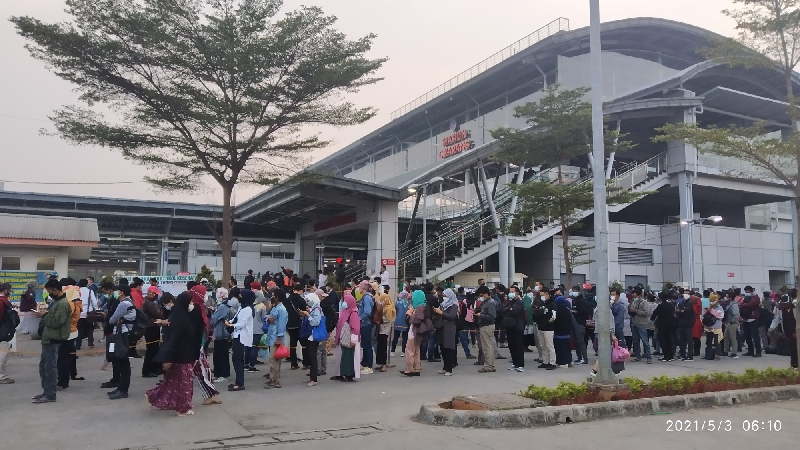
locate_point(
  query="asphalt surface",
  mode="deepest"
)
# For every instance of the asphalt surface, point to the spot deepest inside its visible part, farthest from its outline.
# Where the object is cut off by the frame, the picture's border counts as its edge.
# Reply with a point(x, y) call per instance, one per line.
point(378, 410)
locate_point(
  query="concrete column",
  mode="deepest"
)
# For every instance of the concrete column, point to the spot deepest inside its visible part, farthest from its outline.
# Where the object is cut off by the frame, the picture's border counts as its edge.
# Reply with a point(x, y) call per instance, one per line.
point(382, 242)
point(794, 243)
point(687, 237)
point(305, 258)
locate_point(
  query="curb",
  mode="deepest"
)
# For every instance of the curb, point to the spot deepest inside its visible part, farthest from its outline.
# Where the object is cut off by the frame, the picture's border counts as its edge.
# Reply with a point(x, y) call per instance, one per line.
point(433, 414)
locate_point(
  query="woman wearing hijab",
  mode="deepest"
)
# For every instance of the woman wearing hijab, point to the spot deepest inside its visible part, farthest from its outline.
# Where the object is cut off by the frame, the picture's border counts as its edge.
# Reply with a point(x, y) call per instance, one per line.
point(446, 336)
point(277, 321)
point(562, 332)
point(177, 358)
point(417, 332)
point(314, 314)
point(348, 353)
point(242, 336)
point(385, 328)
point(200, 321)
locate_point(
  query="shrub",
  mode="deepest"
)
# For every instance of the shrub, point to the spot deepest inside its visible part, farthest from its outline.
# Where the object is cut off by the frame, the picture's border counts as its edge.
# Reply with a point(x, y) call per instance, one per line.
point(571, 393)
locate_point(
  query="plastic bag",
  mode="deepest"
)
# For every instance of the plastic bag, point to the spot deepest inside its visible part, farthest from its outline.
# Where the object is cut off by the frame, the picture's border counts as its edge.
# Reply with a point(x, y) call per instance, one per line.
point(619, 354)
point(282, 352)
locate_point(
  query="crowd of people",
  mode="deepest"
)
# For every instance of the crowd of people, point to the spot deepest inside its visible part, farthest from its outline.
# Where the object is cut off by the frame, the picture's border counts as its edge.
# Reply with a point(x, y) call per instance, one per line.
point(362, 323)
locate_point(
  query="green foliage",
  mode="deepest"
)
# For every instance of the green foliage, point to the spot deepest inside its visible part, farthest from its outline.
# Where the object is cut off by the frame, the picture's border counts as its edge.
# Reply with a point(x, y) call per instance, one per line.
point(775, 156)
point(667, 285)
point(635, 384)
point(106, 279)
point(616, 285)
point(664, 385)
point(578, 253)
point(205, 272)
point(564, 391)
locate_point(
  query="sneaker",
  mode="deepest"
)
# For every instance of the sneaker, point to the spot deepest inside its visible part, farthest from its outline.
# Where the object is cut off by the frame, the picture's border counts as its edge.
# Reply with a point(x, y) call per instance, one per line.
point(486, 370)
point(441, 372)
point(110, 384)
point(582, 362)
point(592, 373)
point(448, 374)
point(733, 356)
point(402, 354)
point(563, 366)
point(519, 369)
point(500, 357)
point(512, 367)
point(578, 361)
point(252, 369)
point(472, 357)
point(366, 371)
point(391, 353)
point(757, 355)
point(542, 366)
point(551, 367)
point(118, 395)
point(649, 361)
point(220, 379)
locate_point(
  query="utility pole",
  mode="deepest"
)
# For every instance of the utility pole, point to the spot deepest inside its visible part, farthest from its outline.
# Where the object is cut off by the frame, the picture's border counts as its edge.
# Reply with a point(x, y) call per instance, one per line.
point(604, 374)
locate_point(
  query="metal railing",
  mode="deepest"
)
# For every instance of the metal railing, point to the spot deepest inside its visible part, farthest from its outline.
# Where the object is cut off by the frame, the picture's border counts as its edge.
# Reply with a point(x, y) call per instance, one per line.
point(558, 25)
point(484, 230)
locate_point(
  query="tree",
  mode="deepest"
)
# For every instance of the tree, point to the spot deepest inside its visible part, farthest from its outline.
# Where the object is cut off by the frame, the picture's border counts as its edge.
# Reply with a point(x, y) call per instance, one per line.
point(768, 38)
point(204, 88)
point(560, 131)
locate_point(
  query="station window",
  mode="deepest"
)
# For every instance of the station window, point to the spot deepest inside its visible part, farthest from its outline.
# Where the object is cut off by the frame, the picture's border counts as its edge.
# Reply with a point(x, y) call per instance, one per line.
point(635, 256)
point(10, 263)
point(45, 263)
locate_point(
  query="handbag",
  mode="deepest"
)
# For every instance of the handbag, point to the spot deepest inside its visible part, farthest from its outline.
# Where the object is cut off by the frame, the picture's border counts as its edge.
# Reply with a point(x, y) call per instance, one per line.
point(282, 352)
point(320, 332)
point(94, 315)
point(305, 328)
point(619, 354)
point(346, 337)
point(121, 342)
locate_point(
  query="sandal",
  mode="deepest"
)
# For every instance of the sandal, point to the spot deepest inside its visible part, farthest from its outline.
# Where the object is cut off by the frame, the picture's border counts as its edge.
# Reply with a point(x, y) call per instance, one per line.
point(212, 401)
point(235, 388)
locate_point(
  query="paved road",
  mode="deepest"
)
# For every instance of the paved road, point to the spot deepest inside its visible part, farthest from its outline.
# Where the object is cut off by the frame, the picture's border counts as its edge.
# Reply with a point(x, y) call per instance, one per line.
point(376, 411)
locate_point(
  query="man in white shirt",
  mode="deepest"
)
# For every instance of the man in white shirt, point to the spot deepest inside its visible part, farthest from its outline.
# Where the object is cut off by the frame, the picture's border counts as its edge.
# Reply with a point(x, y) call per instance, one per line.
point(89, 303)
point(384, 276)
point(321, 279)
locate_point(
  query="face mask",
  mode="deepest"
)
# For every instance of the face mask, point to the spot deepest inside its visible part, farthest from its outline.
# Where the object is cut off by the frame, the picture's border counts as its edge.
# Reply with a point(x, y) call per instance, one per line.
point(536, 288)
point(613, 297)
point(309, 303)
point(748, 294)
point(686, 296)
point(191, 307)
point(573, 294)
point(116, 295)
point(543, 297)
point(168, 307)
point(511, 295)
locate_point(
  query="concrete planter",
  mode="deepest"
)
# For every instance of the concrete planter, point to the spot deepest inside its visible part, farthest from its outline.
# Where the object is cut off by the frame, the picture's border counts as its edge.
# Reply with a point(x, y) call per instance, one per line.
point(434, 414)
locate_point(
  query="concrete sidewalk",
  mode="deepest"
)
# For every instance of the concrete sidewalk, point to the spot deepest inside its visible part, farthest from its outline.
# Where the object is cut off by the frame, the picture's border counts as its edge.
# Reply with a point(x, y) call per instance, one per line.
point(378, 409)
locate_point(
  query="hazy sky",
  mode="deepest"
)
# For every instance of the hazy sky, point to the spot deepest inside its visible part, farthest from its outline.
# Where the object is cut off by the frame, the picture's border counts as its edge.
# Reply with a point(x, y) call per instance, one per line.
point(427, 42)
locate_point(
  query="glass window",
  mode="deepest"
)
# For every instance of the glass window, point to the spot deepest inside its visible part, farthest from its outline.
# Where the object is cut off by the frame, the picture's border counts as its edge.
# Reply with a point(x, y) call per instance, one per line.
point(45, 264)
point(10, 263)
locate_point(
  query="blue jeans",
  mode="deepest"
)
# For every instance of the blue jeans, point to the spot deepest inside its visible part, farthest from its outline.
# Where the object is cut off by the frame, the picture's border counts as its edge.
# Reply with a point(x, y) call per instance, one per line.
point(640, 335)
point(366, 345)
point(464, 338)
point(397, 334)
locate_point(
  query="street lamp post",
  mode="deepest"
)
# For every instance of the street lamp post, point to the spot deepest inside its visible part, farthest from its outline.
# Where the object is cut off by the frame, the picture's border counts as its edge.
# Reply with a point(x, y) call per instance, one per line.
point(700, 223)
point(424, 187)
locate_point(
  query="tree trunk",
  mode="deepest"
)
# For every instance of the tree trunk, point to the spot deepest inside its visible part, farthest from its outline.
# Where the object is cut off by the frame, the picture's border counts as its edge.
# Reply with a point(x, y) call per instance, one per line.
point(565, 248)
point(226, 239)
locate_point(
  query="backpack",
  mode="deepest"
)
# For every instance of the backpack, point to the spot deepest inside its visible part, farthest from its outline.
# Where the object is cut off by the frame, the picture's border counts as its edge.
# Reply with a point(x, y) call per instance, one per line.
point(330, 317)
point(140, 323)
point(9, 325)
point(708, 319)
point(377, 314)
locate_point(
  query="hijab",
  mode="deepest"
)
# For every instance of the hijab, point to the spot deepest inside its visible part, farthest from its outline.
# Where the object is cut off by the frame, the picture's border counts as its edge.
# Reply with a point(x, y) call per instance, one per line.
point(179, 345)
point(349, 315)
point(199, 300)
point(417, 298)
point(450, 299)
point(248, 298)
point(561, 301)
point(313, 299)
point(388, 307)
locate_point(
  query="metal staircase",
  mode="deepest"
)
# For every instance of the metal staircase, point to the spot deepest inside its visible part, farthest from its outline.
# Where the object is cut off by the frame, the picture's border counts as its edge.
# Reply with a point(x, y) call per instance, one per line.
point(466, 242)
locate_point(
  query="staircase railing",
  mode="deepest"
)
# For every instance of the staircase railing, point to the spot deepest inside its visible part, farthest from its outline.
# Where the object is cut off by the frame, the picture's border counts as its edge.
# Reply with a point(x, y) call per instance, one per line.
point(483, 228)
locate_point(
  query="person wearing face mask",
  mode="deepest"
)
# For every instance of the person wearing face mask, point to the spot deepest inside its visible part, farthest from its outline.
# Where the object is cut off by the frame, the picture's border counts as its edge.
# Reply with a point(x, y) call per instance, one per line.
point(581, 312)
point(545, 316)
point(56, 331)
point(486, 318)
point(749, 310)
point(686, 319)
point(639, 318)
point(122, 319)
point(619, 312)
point(514, 326)
point(786, 319)
point(529, 338)
point(152, 335)
point(222, 341)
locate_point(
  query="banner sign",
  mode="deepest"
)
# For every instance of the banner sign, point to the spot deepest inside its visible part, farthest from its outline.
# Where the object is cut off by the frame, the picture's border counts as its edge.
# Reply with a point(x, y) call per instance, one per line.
point(19, 282)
